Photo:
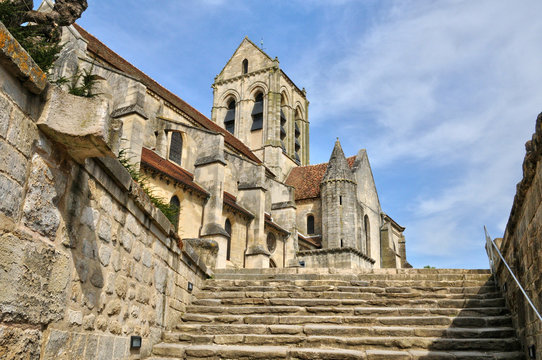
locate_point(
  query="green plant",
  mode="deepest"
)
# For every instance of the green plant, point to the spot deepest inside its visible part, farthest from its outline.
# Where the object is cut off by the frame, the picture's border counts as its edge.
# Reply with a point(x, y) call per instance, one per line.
point(170, 211)
point(81, 83)
point(44, 50)
point(429, 267)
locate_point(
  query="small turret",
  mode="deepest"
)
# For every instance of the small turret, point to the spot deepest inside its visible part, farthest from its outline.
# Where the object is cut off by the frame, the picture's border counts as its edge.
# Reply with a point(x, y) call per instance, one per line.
point(339, 203)
point(337, 168)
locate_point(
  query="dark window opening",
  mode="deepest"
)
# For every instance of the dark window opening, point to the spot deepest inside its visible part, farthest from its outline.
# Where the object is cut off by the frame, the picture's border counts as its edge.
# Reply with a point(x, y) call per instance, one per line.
point(367, 226)
point(176, 206)
point(176, 147)
point(245, 66)
point(227, 227)
point(272, 264)
point(229, 120)
point(257, 113)
point(282, 130)
point(310, 224)
point(340, 200)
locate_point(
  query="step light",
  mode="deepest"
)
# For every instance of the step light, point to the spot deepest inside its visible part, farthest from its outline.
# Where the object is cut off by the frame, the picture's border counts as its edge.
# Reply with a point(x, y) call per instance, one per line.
point(190, 287)
point(135, 342)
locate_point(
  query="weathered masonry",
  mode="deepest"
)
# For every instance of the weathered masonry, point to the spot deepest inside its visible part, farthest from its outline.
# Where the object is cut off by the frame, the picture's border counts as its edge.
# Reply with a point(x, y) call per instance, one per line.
point(86, 261)
point(240, 179)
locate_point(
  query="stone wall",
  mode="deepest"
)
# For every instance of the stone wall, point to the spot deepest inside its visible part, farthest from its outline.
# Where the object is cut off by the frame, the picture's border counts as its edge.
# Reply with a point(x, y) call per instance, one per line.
point(86, 260)
point(521, 246)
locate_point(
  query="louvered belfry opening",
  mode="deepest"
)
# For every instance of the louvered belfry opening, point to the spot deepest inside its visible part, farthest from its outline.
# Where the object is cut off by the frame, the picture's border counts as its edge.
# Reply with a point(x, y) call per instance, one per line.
point(257, 113)
point(229, 120)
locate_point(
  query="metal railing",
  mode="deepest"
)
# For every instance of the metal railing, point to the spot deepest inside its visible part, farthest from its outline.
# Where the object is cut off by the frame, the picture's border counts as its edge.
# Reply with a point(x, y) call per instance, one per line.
point(491, 248)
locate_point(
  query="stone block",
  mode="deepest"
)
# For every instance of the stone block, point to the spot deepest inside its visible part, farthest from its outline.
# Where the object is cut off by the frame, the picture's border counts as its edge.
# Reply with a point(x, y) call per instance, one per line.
point(12, 162)
point(82, 125)
point(104, 229)
point(105, 347)
point(56, 345)
point(18, 343)
point(75, 317)
point(45, 187)
point(5, 114)
point(11, 195)
point(22, 133)
point(122, 346)
point(34, 279)
point(160, 275)
point(105, 255)
point(91, 347)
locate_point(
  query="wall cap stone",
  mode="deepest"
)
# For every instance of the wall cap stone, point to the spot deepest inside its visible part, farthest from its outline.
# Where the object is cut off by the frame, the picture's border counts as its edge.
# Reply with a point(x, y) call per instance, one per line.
point(15, 58)
point(336, 251)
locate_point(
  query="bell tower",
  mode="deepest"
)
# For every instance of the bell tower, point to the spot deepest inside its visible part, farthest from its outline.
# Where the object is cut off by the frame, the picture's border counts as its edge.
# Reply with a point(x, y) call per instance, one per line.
point(258, 103)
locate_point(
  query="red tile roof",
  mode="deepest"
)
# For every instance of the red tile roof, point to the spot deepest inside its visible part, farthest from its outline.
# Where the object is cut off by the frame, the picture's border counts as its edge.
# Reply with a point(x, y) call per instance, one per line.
point(231, 201)
point(152, 160)
point(306, 179)
point(104, 53)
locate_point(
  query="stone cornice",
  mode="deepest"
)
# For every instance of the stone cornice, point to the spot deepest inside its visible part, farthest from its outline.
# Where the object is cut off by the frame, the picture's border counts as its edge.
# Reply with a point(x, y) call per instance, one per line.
point(336, 251)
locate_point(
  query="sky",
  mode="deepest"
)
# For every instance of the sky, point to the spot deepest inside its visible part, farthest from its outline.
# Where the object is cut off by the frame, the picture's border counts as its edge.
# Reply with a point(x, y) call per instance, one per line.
point(442, 94)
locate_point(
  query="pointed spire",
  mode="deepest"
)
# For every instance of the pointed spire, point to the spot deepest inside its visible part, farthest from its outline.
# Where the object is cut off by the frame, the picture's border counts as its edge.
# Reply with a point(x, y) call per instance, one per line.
point(337, 168)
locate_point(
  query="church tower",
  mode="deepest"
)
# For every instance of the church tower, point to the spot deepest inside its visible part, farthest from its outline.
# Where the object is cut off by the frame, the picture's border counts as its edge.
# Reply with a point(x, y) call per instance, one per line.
point(339, 203)
point(258, 103)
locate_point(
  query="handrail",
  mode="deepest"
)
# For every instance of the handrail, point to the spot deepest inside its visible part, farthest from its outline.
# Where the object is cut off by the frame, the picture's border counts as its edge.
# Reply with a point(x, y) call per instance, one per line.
point(490, 244)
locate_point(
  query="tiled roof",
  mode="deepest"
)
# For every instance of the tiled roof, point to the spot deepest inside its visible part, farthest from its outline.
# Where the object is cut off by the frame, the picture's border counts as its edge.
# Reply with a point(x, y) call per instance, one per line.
point(231, 201)
point(306, 179)
point(269, 222)
point(104, 53)
point(316, 241)
point(152, 160)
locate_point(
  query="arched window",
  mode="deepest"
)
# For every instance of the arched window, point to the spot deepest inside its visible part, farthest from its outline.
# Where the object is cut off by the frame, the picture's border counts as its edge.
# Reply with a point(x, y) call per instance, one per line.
point(176, 147)
point(283, 123)
point(245, 66)
point(257, 113)
point(297, 142)
point(367, 226)
point(227, 227)
point(271, 242)
point(310, 224)
point(229, 120)
point(176, 206)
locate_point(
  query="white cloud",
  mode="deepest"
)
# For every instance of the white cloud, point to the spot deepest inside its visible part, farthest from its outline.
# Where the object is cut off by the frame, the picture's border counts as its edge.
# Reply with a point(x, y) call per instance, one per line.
point(449, 86)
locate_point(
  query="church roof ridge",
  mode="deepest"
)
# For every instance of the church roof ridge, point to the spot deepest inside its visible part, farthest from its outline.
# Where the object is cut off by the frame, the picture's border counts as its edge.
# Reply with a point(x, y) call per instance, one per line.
point(102, 51)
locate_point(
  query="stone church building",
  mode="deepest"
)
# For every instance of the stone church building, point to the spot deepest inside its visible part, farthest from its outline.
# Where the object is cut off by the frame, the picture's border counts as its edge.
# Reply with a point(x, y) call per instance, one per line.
point(242, 179)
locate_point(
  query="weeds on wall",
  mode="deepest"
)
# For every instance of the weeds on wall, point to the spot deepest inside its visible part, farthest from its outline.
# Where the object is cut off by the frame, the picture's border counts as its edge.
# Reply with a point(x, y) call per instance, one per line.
point(81, 83)
point(167, 209)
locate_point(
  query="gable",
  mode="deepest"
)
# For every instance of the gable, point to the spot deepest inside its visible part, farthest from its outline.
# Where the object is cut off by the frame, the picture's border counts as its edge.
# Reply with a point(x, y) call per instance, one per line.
point(257, 59)
point(367, 193)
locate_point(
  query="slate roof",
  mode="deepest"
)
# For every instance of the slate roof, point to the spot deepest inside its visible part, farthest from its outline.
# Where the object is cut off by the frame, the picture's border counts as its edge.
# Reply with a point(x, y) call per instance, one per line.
point(153, 161)
point(100, 51)
point(306, 179)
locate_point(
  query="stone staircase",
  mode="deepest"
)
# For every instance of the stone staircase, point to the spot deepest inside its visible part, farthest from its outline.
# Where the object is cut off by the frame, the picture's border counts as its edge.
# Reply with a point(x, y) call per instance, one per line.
point(333, 314)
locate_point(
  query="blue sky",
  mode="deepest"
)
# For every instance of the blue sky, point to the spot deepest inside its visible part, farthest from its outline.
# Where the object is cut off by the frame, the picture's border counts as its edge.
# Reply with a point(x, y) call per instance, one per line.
point(442, 94)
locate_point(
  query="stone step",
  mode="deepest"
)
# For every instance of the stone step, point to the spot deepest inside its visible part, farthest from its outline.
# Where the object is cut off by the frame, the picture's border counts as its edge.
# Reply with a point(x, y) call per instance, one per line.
point(392, 318)
point(232, 303)
point(391, 294)
point(366, 277)
point(276, 352)
point(339, 330)
point(335, 271)
point(292, 289)
point(351, 343)
point(242, 283)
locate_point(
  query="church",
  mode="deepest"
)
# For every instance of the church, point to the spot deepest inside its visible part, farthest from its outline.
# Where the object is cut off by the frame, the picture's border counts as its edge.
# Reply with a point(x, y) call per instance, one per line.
point(242, 181)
